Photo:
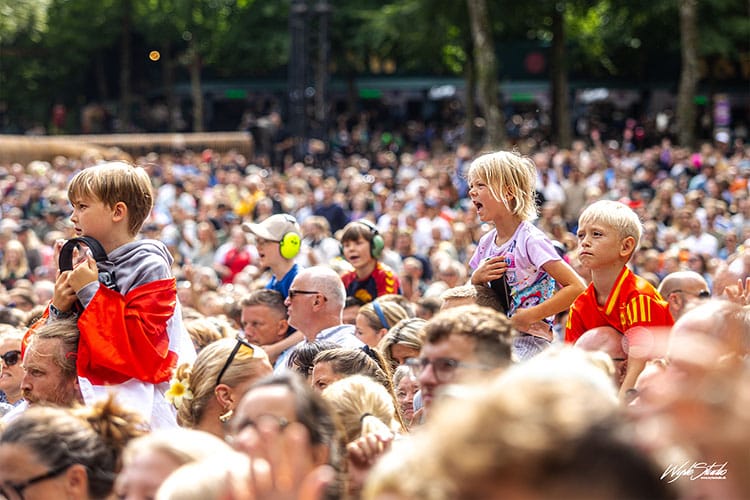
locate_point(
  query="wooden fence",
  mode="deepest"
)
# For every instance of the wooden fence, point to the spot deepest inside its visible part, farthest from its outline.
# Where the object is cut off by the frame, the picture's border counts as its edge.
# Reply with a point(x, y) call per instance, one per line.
point(23, 149)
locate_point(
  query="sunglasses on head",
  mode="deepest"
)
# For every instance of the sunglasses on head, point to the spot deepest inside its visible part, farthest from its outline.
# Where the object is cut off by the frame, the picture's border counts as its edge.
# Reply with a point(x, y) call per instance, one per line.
point(10, 358)
point(240, 343)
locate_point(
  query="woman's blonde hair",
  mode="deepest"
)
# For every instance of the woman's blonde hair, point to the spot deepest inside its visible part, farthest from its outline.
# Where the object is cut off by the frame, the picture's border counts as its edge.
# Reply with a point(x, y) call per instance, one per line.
point(407, 332)
point(201, 377)
point(390, 314)
point(217, 476)
point(508, 176)
point(181, 444)
point(206, 329)
point(22, 268)
point(361, 406)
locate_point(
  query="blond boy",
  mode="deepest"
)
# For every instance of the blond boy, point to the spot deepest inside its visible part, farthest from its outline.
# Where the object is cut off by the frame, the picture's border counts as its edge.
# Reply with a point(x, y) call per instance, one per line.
point(132, 339)
point(608, 234)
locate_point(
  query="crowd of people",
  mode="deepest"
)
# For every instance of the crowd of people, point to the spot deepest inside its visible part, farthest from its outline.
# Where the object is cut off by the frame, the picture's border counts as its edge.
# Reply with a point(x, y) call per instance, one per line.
point(398, 323)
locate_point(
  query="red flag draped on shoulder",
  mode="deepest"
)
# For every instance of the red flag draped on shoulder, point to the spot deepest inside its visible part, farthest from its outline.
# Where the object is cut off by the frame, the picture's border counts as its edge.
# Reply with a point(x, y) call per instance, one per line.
point(124, 337)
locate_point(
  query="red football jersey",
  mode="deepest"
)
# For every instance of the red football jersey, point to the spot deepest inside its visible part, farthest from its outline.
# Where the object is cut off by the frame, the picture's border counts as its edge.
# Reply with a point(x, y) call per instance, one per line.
point(632, 302)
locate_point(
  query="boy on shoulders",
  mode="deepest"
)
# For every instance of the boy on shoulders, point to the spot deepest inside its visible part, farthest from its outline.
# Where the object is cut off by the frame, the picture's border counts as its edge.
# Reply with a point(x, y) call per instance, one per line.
point(362, 247)
point(132, 339)
point(608, 235)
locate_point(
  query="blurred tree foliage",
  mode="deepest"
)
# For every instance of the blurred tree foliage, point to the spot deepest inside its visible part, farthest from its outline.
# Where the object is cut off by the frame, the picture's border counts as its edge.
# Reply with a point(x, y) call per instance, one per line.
point(70, 51)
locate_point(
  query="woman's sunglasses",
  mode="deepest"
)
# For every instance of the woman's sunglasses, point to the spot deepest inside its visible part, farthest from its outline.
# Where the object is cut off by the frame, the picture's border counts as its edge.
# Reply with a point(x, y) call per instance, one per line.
point(10, 358)
point(240, 343)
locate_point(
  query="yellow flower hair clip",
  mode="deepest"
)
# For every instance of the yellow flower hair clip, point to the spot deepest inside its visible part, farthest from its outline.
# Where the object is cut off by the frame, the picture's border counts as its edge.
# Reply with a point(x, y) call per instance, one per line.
point(179, 390)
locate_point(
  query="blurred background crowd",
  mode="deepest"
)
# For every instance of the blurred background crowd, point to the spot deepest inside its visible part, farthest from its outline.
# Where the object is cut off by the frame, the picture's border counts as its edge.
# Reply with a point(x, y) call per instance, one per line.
point(694, 205)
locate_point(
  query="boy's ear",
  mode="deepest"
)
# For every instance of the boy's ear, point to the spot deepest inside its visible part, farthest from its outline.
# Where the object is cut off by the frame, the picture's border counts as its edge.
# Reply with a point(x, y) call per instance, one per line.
point(627, 246)
point(120, 211)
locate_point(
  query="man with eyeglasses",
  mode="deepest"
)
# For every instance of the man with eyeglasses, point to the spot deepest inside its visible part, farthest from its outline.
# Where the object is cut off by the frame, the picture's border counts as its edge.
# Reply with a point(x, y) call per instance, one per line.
point(681, 289)
point(315, 306)
point(461, 344)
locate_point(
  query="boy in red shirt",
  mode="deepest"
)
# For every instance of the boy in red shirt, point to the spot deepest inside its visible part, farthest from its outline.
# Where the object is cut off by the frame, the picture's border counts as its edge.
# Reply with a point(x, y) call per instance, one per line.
point(362, 246)
point(608, 234)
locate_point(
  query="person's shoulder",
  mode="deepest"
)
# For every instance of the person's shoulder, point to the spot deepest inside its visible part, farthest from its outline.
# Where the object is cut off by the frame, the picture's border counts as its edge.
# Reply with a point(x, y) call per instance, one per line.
point(488, 237)
point(532, 233)
point(585, 297)
point(141, 255)
point(383, 268)
point(145, 248)
point(530, 229)
point(348, 277)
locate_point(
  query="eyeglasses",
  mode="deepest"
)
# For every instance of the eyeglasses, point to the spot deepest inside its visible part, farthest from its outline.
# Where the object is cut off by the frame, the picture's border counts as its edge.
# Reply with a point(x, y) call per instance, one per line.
point(240, 343)
point(443, 368)
point(293, 293)
point(10, 358)
point(7, 487)
point(703, 294)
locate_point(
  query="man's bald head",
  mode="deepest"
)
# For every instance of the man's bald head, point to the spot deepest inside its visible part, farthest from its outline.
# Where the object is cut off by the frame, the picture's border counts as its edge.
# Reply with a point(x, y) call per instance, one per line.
point(608, 340)
point(682, 288)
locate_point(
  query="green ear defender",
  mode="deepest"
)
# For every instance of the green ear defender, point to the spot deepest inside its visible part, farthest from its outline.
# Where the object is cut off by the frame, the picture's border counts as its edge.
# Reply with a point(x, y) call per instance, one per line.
point(378, 243)
point(290, 242)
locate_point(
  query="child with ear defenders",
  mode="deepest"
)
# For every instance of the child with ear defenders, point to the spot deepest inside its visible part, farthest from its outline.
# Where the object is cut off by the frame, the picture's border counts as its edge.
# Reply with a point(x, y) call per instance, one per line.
point(132, 339)
point(362, 246)
point(278, 239)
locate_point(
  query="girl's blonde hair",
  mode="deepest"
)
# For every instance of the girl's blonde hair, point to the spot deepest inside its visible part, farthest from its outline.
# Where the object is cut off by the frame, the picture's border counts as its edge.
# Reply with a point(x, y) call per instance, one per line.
point(508, 176)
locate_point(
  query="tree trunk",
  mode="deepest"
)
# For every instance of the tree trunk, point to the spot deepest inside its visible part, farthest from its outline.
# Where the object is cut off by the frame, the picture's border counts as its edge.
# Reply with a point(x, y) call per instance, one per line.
point(126, 96)
point(470, 101)
point(196, 92)
point(167, 80)
point(101, 78)
point(689, 76)
point(486, 66)
point(560, 105)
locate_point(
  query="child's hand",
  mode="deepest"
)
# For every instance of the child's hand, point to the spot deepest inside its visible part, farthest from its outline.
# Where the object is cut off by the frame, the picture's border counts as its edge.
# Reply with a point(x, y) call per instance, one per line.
point(56, 248)
point(83, 274)
point(64, 295)
point(522, 320)
point(489, 270)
